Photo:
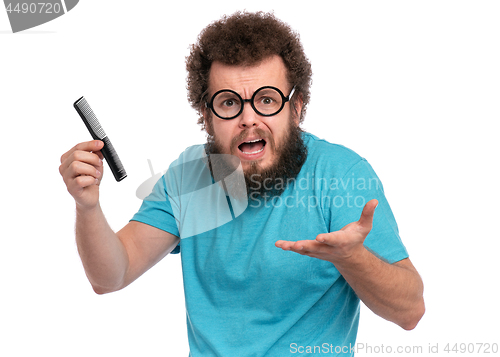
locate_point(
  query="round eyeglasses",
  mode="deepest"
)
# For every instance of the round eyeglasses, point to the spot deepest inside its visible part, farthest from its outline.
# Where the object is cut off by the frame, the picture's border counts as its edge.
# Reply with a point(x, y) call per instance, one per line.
point(266, 101)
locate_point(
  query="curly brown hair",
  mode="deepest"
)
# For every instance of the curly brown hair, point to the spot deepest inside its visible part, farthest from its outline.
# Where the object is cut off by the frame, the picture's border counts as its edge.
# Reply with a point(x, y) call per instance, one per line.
point(246, 39)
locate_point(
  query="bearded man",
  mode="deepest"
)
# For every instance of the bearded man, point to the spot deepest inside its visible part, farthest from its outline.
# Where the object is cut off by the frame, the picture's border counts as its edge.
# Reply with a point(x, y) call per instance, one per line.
point(281, 269)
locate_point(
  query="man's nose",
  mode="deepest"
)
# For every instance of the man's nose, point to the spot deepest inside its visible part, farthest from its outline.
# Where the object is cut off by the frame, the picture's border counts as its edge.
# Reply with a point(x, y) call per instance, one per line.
point(249, 118)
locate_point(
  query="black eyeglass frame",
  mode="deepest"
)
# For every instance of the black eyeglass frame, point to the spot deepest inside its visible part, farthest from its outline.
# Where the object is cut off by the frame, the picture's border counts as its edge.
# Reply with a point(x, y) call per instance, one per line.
point(251, 101)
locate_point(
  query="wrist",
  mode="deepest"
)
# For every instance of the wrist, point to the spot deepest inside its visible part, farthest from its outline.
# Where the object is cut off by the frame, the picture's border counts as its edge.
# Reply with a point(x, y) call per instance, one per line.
point(355, 260)
point(86, 210)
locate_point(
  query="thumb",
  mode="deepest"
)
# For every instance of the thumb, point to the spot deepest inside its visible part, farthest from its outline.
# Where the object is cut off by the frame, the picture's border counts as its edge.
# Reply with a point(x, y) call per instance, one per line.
point(366, 219)
point(99, 144)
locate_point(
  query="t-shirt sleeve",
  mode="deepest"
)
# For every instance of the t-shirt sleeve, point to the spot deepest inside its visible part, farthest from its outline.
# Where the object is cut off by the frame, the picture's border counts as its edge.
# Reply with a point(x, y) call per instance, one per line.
point(349, 195)
point(156, 211)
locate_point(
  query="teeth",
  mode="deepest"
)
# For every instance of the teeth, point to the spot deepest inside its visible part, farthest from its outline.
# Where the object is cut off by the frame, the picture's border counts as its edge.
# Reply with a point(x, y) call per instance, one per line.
point(253, 141)
point(255, 152)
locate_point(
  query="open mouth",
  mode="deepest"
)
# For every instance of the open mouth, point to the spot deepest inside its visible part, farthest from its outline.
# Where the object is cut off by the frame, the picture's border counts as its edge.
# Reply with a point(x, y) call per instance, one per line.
point(252, 146)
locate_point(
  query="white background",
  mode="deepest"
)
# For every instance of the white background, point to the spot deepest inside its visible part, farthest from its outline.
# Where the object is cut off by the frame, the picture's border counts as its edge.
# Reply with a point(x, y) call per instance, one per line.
point(414, 87)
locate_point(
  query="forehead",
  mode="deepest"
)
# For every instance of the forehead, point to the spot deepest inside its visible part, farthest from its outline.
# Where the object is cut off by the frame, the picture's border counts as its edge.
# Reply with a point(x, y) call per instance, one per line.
point(246, 79)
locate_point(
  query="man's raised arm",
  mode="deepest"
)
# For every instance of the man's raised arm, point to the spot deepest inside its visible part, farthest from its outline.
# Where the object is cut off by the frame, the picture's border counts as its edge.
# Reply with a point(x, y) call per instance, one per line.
point(111, 260)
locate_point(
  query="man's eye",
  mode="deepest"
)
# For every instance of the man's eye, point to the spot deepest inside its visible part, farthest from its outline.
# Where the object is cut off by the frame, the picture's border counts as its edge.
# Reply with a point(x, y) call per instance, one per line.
point(229, 103)
point(267, 101)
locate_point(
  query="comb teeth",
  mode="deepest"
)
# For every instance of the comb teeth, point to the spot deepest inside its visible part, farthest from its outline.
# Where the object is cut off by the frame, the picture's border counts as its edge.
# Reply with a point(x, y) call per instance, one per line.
point(90, 117)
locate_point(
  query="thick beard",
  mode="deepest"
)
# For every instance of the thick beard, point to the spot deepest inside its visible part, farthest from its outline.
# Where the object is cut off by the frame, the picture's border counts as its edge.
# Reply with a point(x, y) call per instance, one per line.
point(272, 181)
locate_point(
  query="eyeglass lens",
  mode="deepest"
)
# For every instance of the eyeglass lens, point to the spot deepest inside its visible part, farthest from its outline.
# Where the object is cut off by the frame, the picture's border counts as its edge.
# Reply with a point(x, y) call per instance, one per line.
point(266, 101)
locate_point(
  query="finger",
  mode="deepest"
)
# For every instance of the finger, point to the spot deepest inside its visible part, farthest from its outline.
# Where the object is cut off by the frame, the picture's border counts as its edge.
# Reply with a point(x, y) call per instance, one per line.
point(91, 158)
point(302, 246)
point(99, 153)
point(366, 219)
point(333, 239)
point(310, 248)
point(81, 182)
point(79, 168)
point(284, 244)
point(288, 245)
point(88, 146)
point(82, 156)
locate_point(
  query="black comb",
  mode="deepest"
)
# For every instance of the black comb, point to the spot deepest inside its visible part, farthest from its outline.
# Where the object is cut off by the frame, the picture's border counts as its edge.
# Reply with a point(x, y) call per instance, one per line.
point(97, 132)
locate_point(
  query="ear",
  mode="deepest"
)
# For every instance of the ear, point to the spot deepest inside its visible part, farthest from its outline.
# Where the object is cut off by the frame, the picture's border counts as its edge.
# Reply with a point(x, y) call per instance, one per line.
point(297, 106)
point(207, 120)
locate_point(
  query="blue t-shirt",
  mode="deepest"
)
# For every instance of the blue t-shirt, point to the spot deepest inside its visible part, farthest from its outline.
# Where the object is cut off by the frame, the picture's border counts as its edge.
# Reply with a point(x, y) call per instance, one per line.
point(246, 297)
